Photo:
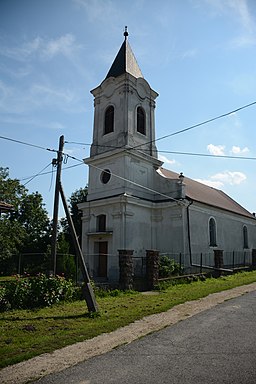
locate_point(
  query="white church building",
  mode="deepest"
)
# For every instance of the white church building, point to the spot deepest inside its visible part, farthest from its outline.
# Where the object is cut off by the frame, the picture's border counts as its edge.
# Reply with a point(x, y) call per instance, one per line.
point(133, 203)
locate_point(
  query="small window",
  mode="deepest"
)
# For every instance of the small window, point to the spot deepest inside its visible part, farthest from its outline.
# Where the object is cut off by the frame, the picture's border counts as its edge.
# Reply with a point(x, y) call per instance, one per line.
point(101, 223)
point(109, 120)
point(245, 237)
point(141, 121)
point(212, 232)
point(105, 176)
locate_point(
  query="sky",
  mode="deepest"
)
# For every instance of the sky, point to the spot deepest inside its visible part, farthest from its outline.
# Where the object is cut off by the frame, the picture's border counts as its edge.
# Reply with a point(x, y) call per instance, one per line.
point(199, 55)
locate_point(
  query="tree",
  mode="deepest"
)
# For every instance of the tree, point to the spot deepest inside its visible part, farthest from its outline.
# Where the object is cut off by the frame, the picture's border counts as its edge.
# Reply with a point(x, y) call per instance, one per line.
point(25, 228)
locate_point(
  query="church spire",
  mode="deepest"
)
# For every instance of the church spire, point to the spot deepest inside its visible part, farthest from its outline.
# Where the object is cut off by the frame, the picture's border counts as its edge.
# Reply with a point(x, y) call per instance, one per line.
point(125, 61)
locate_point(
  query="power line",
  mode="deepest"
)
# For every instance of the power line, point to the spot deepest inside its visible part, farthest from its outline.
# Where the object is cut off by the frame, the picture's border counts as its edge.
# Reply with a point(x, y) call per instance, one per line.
point(28, 144)
point(171, 152)
point(173, 133)
point(47, 173)
point(33, 177)
point(141, 186)
point(209, 155)
point(198, 125)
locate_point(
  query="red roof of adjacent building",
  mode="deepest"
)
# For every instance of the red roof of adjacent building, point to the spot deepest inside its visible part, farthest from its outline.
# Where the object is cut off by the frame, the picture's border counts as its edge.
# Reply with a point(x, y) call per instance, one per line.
point(202, 193)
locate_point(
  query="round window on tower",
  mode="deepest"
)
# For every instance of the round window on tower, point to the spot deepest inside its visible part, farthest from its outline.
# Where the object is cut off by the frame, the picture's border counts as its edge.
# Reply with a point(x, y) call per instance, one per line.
point(105, 176)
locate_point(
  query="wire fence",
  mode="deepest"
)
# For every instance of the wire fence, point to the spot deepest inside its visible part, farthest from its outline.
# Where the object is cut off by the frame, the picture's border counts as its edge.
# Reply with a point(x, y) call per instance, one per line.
point(68, 264)
point(34, 263)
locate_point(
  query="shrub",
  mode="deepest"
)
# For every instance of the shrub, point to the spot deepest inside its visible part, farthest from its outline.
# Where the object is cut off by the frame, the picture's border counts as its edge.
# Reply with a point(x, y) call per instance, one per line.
point(4, 303)
point(39, 291)
point(168, 267)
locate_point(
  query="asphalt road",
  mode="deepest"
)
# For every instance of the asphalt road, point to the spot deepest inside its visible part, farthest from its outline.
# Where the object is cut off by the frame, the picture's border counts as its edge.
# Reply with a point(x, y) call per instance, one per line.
point(215, 346)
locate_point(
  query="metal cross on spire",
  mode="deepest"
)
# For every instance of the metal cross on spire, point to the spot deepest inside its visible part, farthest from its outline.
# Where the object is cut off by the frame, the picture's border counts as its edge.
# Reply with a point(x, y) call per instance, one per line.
point(126, 34)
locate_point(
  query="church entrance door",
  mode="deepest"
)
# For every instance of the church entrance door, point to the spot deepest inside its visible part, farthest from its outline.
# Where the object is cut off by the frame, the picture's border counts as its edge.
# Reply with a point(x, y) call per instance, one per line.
point(103, 259)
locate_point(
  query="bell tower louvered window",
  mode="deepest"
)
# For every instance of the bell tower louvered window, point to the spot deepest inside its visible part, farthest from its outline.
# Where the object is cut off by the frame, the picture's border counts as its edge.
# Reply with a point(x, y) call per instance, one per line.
point(109, 120)
point(141, 121)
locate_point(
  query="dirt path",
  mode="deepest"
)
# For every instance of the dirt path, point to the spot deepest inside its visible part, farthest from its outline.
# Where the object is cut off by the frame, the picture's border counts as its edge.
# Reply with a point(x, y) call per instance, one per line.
point(65, 357)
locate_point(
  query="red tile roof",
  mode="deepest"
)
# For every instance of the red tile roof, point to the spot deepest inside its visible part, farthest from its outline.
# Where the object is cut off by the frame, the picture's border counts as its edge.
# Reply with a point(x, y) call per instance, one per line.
point(208, 195)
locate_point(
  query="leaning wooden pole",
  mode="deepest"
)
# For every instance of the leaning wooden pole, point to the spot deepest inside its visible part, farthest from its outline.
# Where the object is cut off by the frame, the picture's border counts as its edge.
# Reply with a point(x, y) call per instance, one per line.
point(87, 288)
point(58, 163)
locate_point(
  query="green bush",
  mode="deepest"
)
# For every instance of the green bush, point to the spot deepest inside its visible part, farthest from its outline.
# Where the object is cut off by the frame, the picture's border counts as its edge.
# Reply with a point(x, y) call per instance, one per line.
point(34, 292)
point(168, 267)
point(4, 303)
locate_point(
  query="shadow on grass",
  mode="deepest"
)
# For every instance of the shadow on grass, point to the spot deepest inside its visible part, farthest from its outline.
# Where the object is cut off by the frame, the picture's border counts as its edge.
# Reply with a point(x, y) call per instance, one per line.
point(88, 315)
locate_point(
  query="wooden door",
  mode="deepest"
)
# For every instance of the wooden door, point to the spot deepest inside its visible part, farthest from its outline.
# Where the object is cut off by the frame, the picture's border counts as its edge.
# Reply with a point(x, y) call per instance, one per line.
point(103, 259)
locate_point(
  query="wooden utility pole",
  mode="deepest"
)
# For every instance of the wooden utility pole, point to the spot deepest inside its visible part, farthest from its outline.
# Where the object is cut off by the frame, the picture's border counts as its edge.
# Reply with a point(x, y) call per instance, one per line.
point(56, 162)
point(87, 288)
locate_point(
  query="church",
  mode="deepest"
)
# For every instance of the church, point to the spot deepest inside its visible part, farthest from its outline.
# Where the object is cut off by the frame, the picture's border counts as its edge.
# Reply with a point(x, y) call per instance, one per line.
point(134, 203)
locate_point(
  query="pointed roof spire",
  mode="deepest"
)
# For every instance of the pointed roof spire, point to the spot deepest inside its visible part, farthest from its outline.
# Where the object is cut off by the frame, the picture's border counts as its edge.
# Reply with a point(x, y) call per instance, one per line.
point(125, 61)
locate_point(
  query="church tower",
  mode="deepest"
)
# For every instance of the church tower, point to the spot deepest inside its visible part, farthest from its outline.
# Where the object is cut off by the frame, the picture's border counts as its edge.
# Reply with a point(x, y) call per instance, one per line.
point(122, 167)
point(124, 129)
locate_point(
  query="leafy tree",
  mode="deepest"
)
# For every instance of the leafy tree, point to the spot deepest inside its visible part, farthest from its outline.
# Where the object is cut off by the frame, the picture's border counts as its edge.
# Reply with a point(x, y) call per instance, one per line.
point(25, 228)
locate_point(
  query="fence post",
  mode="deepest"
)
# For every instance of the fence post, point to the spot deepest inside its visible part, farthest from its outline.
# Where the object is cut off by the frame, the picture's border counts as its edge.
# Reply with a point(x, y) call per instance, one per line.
point(253, 258)
point(152, 267)
point(233, 260)
point(218, 261)
point(201, 262)
point(125, 269)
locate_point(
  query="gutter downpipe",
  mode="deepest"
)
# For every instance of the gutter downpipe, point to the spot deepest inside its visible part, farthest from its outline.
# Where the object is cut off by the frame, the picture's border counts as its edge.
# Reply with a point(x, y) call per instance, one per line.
point(189, 237)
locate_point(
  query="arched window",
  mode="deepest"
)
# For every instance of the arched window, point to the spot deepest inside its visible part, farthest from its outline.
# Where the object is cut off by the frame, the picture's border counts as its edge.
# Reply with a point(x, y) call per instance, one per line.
point(141, 121)
point(101, 223)
point(109, 120)
point(212, 232)
point(245, 237)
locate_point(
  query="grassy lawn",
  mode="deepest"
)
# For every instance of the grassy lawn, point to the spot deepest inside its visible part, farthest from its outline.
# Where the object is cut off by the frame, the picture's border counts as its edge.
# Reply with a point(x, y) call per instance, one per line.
point(27, 333)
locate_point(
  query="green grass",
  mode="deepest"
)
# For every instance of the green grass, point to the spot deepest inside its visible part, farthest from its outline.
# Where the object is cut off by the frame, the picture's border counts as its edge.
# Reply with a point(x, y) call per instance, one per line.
point(27, 333)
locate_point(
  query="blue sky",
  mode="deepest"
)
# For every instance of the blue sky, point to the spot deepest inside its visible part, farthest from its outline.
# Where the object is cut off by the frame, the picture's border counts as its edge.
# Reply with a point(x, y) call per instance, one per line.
point(199, 55)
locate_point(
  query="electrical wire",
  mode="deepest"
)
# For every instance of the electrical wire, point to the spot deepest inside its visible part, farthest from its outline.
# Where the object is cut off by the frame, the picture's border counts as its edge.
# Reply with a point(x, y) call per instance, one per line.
point(33, 177)
point(198, 125)
point(180, 202)
point(209, 155)
point(174, 153)
point(28, 144)
point(178, 132)
point(47, 173)
point(117, 176)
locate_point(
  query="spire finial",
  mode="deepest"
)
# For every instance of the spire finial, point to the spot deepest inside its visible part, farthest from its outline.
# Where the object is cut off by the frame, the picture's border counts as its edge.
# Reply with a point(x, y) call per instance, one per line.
point(125, 32)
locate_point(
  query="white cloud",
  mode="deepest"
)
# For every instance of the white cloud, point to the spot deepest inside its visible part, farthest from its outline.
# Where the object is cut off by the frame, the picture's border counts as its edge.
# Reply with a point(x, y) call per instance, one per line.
point(211, 183)
point(55, 125)
point(216, 150)
point(99, 10)
point(16, 100)
point(236, 8)
point(228, 177)
point(189, 53)
point(64, 45)
point(166, 160)
point(238, 11)
point(238, 151)
point(44, 49)
point(224, 178)
point(46, 94)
